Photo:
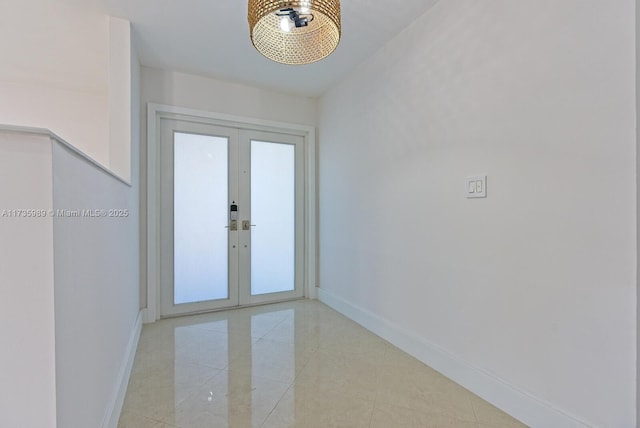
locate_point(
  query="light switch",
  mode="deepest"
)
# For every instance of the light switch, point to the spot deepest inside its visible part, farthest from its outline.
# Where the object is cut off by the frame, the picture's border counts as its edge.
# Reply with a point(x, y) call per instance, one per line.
point(476, 186)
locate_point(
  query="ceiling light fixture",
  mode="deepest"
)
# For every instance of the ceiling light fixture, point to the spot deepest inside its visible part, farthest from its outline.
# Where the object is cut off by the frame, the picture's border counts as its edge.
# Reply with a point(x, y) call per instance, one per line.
point(295, 32)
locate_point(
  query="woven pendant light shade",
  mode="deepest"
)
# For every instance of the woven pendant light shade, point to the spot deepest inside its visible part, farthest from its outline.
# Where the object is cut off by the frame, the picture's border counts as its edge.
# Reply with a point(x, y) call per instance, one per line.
point(300, 45)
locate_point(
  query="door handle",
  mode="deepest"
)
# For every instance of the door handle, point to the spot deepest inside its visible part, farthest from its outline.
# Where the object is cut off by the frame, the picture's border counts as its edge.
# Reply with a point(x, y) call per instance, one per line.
point(246, 225)
point(233, 225)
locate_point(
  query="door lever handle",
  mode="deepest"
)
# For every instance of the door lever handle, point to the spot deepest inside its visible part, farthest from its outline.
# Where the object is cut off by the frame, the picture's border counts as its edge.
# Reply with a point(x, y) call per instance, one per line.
point(246, 225)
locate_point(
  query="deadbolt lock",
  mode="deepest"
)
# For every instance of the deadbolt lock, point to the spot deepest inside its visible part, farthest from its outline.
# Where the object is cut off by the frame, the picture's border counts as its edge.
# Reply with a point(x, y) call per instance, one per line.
point(233, 225)
point(246, 225)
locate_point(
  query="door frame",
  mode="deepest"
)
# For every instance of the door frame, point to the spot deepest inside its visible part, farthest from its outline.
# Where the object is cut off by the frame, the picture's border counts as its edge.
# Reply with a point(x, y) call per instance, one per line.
point(157, 112)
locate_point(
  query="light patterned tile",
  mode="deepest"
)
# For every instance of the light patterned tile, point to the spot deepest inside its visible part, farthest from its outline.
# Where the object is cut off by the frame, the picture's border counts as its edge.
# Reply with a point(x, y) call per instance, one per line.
point(272, 360)
point(490, 416)
point(333, 372)
point(172, 374)
point(385, 416)
point(132, 420)
point(233, 399)
point(157, 403)
point(296, 364)
point(420, 388)
point(306, 407)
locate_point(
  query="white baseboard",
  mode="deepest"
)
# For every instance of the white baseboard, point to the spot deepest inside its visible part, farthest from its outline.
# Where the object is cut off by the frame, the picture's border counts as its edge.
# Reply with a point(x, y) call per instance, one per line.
point(517, 403)
point(148, 316)
point(117, 400)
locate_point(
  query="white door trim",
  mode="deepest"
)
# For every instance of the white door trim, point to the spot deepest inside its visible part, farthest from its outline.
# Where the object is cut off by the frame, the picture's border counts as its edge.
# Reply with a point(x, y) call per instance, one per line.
point(155, 112)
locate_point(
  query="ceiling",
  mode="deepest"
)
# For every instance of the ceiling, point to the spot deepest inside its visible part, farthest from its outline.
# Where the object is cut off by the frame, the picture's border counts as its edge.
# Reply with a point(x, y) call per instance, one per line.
point(211, 38)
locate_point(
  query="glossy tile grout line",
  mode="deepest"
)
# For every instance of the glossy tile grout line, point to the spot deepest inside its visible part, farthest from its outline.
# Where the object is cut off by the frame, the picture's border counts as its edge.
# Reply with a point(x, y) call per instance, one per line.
point(293, 364)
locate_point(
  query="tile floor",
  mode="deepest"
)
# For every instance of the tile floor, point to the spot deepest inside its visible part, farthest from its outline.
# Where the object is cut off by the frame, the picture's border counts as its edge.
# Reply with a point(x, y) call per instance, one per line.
point(296, 364)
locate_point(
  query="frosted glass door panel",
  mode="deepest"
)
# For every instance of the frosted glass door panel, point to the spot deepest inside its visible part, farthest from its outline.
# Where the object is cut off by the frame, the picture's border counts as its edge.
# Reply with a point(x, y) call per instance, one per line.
point(201, 262)
point(273, 214)
point(205, 260)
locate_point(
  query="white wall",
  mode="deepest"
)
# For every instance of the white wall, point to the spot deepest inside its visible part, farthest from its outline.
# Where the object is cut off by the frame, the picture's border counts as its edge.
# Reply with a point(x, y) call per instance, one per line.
point(137, 126)
point(97, 266)
point(56, 76)
point(76, 74)
point(27, 362)
point(211, 95)
point(637, 212)
point(70, 74)
point(96, 287)
point(75, 116)
point(120, 90)
point(534, 285)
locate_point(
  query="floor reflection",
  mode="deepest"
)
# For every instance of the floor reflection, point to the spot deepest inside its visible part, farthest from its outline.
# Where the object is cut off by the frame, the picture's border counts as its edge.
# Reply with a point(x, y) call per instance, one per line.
point(284, 365)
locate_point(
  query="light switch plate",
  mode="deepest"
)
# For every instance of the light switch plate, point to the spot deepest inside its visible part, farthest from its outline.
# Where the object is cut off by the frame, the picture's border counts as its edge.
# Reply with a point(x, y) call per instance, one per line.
point(475, 186)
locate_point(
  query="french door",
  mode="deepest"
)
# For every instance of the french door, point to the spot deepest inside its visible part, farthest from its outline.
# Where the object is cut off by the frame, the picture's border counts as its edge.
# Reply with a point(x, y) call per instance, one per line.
point(232, 219)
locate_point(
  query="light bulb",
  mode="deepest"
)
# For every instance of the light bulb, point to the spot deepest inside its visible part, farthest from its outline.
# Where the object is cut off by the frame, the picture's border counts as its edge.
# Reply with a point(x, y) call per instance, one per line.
point(285, 24)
